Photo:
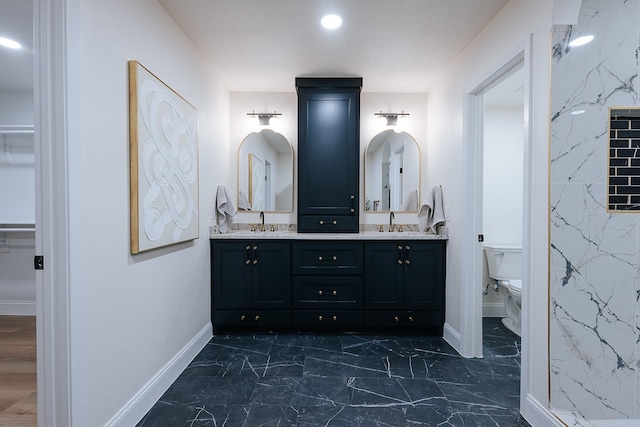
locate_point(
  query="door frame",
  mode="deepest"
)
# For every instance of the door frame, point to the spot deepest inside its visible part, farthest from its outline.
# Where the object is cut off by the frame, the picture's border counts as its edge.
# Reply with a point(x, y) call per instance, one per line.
point(58, 187)
point(473, 128)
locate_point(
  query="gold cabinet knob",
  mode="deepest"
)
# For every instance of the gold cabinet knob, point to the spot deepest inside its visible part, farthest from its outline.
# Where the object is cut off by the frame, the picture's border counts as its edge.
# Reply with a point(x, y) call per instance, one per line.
point(396, 318)
point(242, 318)
point(257, 318)
point(399, 261)
point(410, 318)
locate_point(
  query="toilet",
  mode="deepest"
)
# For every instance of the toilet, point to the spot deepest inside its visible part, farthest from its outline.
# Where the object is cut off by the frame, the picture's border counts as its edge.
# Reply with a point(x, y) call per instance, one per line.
point(505, 267)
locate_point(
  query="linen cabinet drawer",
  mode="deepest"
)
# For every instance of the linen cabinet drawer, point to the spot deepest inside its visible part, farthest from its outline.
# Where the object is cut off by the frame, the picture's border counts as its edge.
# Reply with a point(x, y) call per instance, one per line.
point(328, 224)
point(327, 292)
point(328, 318)
point(252, 317)
point(318, 258)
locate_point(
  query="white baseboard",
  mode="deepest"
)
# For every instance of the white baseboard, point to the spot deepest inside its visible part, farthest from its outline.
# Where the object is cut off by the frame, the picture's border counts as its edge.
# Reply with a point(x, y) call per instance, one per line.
point(538, 415)
point(18, 308)
point(148, 395)
point(451, 336)
point(494, 309)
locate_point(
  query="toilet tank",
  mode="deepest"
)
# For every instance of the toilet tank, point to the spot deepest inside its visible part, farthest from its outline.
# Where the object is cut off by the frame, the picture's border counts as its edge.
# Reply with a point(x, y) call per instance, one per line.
point(504, 261)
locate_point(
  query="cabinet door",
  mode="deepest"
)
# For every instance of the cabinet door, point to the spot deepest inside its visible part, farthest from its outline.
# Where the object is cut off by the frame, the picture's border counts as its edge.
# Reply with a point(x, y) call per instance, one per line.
point(328, 157)
point(424, 275)
point(383, 275)
point(231, 274)
point(271, 274)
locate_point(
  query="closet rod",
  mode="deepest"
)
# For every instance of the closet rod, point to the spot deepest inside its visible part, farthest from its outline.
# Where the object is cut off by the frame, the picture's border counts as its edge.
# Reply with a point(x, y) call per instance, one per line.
point(16, 129)
point(21, 227)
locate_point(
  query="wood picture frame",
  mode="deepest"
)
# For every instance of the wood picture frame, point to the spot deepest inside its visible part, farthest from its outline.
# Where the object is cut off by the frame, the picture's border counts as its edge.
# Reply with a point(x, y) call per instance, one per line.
point(163, 157)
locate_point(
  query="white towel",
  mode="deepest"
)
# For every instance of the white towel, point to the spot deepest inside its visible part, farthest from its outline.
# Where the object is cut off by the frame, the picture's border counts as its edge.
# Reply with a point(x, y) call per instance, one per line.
point(243, 201)
point(411, 202)
point(226, 211)
point(432, 212)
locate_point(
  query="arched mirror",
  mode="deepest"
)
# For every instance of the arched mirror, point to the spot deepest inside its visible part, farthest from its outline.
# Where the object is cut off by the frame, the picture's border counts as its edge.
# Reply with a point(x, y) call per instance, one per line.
point(265, 173)
point(392, 173)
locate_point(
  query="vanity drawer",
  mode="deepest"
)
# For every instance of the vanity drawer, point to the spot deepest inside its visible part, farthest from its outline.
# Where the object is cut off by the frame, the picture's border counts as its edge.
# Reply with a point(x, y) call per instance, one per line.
point(404, 318)
point(252, 317)
point(327, 318)
point(327, 292)
point(317, 258)
point(328, 224)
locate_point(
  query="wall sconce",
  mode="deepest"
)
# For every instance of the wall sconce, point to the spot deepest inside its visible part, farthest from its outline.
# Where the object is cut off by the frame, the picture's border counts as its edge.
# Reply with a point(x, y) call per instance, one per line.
point(263, 119)
point(392, 118)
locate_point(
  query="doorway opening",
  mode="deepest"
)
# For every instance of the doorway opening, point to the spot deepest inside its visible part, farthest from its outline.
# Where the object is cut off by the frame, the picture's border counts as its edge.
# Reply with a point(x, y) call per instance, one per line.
point(471, 341)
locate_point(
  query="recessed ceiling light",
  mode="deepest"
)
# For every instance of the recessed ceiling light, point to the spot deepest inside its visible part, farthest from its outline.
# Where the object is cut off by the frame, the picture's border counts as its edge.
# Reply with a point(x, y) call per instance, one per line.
point(11, 44)
point(331, 22)
point(580, 41)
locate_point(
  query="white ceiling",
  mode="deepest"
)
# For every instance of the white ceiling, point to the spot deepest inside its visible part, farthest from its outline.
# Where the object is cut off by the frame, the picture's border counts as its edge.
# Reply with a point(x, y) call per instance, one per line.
point(262, 45)
point(395, 45)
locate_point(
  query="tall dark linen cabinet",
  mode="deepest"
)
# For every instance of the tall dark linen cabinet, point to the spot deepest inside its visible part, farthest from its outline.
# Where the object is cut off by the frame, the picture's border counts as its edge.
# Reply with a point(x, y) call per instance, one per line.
point(328, 154)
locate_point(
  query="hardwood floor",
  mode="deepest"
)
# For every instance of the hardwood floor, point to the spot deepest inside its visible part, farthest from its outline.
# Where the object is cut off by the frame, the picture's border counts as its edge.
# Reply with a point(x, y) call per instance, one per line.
point(18, 371)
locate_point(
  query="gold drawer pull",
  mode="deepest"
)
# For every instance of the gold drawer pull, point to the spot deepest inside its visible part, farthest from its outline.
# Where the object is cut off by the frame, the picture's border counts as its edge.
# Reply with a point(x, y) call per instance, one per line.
point(334, 293)
point(334, 222)
point(333, 258)
point(332, 318)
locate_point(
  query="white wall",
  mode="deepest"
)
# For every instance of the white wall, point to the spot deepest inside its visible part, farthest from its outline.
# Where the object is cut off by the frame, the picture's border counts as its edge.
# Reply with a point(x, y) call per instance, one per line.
point(503, 175)
point(135, 312)
point(17, 194)
point(502, 190)
point(445, 154)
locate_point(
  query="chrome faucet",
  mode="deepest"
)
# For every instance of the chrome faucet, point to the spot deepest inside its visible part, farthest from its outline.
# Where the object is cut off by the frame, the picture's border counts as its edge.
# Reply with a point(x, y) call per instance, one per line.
point(262, 221)
point(391, 217)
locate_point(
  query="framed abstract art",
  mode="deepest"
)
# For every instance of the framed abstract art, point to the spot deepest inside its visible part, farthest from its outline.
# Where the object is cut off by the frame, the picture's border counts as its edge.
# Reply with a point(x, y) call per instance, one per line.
point(163, 156)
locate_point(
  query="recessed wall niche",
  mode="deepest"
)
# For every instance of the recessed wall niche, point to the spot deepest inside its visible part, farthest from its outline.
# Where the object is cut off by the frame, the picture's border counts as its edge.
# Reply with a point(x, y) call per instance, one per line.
point(624, 159)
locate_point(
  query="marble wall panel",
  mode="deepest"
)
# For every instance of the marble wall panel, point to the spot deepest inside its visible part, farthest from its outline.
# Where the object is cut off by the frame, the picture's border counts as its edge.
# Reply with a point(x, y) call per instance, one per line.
point(594, 254)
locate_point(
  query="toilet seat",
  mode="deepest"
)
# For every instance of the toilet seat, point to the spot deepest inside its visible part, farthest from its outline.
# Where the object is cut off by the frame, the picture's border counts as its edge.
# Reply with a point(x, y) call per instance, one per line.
point(515, 285)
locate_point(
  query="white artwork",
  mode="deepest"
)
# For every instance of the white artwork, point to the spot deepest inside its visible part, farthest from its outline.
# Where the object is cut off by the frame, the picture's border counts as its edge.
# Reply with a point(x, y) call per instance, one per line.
point(164, 163)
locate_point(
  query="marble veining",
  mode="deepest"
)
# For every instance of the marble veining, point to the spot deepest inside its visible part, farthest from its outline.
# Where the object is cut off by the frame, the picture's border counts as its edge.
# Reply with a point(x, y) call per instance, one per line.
point(288, 232)
point(594, 328)
point(300, 379)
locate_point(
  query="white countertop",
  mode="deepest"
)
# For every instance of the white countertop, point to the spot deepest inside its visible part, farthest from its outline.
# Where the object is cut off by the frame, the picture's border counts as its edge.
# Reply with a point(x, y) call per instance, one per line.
point(292, 235)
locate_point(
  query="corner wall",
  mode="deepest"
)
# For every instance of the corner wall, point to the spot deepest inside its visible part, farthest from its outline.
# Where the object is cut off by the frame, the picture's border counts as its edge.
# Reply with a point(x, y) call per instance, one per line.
point(446, 148)
point(135, 314)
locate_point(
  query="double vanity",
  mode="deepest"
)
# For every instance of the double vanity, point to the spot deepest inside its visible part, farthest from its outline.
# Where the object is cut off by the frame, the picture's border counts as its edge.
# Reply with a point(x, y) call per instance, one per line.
point(363, 281)
point(329, 272)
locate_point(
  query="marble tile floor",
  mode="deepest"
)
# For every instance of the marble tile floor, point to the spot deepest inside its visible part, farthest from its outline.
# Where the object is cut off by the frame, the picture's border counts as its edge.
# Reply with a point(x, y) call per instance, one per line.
point(304, 379)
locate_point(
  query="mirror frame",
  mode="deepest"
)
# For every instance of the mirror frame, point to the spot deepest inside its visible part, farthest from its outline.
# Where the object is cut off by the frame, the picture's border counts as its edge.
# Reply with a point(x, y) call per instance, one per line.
point(245, 157)
point(419, 174)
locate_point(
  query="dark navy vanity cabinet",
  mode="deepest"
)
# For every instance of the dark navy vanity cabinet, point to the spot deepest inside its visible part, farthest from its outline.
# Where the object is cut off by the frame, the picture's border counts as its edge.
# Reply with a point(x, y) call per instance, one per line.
point(251, 282)
point(328, 154)
point(327, 283)
point(405, 283)
point(311, 284)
